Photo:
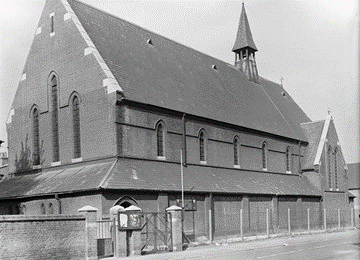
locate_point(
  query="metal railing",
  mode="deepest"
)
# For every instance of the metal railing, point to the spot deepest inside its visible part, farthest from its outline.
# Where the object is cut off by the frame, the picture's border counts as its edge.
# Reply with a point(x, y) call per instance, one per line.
point(290, 221)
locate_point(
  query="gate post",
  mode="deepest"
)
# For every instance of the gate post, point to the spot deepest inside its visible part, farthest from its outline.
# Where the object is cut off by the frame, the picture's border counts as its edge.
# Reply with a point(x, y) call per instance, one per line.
point(90, 231)
point(118, 238)
point(134, 236)
point(176, 230)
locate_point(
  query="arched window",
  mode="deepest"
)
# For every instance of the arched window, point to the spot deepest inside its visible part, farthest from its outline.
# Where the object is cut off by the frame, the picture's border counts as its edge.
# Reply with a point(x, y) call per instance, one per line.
point(236, 152)
point(51, 209)
point(36, 142)
point(288, 159)
point(160, 140)
point(55, 120)
point(42, 208)
point(329, 167)
point(76, 127)
point(335, 167)
point(264, 155)
point(202, 146)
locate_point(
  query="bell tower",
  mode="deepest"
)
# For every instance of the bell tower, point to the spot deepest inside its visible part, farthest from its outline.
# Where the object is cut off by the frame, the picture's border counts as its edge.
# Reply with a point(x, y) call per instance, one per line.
point(245, 49)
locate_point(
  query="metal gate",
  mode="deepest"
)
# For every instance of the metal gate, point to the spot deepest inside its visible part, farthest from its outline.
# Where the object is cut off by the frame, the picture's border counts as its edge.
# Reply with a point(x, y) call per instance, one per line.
point(156, 233)
point(105, 237)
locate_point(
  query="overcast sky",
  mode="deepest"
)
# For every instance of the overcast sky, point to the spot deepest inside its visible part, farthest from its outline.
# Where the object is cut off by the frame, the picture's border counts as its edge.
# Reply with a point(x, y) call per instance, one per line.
point(312, 44)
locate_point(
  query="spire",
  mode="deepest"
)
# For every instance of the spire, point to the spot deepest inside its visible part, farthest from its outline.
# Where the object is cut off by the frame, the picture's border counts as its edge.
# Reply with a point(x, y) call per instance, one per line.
point(244, 37)
point(245, 49)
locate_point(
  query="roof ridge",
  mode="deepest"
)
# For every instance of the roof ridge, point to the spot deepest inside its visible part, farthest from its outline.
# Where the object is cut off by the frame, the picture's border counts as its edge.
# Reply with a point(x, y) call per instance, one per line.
point(317, 121)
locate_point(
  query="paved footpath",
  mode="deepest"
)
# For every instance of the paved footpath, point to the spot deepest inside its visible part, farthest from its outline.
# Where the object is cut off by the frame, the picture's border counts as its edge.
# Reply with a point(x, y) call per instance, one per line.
point(220, 250)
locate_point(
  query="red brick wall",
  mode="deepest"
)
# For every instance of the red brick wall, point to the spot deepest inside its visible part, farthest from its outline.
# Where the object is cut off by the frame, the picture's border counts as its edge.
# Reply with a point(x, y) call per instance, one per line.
point(62, 53)
point(42, 237)
point(137, 127)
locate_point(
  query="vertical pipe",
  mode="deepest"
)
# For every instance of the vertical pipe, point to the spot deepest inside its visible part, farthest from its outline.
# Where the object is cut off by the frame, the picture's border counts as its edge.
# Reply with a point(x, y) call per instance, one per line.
point(225, 224)
point(325, 219)
point(352, 216)
point(308, 219)
point(182, 179)
point(299, 157)
point(184, 139)
point(155, 231)
point(339, 219)
point(241, 225)
point(210, 226)
point(267, 223)
point(289, 224)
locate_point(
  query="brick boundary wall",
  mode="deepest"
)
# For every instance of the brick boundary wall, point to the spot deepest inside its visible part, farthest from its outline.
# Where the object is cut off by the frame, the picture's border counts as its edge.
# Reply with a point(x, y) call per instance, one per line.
point(43, 237)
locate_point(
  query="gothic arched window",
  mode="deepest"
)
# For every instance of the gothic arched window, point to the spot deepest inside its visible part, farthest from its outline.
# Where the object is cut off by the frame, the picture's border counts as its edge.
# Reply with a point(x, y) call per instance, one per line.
point(160, 140)
point(236, 152)
point(202, 146)
point(36, 141)
point(335, 167)
point(288, 159)
point(55, 120)
point(329, 166)
point(76, 127)
point(264, 155)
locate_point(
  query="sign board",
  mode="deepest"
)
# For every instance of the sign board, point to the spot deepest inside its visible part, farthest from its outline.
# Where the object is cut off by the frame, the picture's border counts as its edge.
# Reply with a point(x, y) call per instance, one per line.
point(130, 220)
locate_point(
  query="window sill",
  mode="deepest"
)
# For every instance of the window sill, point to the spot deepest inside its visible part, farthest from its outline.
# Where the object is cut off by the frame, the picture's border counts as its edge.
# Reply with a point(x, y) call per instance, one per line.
point(162, 158)
point(55, 163)
point(52, 34)
point(203, 162)
point(288, 172)
point(265, 169)
point(76, 160)
point(36, 167)
point(237, 166)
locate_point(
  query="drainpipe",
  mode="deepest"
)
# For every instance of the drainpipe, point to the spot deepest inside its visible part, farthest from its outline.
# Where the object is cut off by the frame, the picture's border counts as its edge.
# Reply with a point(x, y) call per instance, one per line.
point(59, 202)
point(300, 172)
point(184, 139)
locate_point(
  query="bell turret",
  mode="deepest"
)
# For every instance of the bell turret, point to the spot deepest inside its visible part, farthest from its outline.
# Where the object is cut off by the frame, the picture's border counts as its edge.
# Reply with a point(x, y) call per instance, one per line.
point(245, 49)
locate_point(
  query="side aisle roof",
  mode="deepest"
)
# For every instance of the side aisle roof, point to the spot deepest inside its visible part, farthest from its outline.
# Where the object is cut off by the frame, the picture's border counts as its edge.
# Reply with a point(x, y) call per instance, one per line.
point(154, 70)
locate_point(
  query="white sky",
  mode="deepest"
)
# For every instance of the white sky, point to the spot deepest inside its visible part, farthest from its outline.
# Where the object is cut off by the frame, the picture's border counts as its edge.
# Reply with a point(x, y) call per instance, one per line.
point(313, 44)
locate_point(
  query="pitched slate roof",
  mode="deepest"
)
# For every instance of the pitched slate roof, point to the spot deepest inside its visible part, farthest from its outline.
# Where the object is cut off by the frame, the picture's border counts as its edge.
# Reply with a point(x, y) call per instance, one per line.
point(354, 175)
point(130, 174)
point(244, 36)
point(173, 76)
point(313, 131)
point(68, 179)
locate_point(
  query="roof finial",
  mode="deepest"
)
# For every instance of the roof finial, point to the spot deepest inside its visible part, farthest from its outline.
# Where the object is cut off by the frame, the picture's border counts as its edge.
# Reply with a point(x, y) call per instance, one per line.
point(281, 80)
point(329, 111)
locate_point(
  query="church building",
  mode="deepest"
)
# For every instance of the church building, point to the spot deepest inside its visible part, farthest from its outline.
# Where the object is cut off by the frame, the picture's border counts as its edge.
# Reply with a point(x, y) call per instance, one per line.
point(108, 113)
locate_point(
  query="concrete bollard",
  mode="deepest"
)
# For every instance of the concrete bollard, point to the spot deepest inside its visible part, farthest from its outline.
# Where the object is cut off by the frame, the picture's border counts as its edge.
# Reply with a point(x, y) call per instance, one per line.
point(176, 219)
point(90, 231)
point(118, 238)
